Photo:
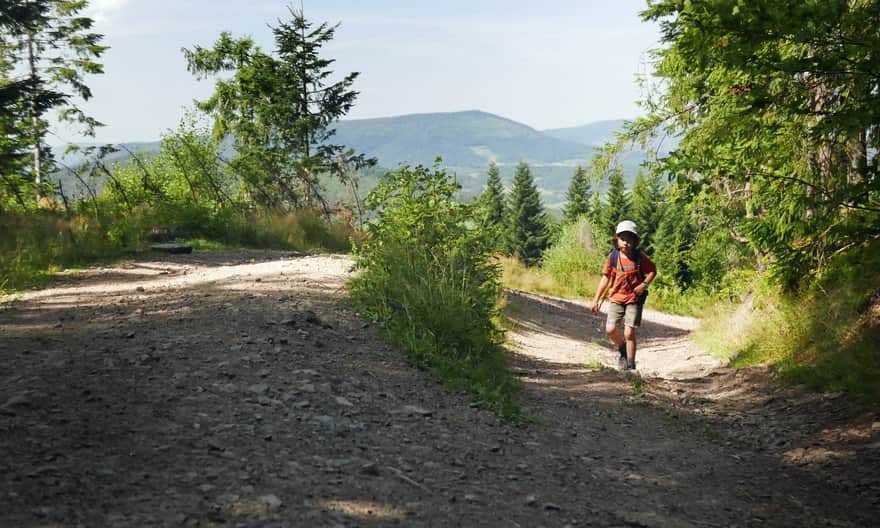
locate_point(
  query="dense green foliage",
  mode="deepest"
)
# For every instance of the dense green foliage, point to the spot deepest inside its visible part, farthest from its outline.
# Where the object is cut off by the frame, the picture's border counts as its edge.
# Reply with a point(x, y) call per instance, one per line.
point(425, 274)
point(46, 52)
point(528, 234)
point(777, 108)
point(775, 191)
point(279, 110)
point(647, 207)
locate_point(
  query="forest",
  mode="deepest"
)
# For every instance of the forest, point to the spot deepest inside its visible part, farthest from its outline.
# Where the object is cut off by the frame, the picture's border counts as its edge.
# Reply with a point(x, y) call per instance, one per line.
point(766, 211)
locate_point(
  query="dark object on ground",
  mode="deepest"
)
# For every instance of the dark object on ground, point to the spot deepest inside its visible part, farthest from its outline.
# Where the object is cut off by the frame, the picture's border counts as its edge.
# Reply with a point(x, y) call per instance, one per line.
point(172, 248)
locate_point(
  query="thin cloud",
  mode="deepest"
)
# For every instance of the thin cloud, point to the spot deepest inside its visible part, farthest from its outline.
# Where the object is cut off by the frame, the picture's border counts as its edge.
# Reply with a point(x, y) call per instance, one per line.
point(103, 10)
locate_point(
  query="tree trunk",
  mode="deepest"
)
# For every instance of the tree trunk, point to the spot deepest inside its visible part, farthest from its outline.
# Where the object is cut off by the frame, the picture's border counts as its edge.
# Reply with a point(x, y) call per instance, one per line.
point(38, 151)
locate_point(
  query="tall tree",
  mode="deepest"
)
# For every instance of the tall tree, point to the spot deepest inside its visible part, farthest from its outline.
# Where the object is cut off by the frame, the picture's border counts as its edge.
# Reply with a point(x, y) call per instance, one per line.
point(528, 235)
point(617, 203)
point(491, 201)
point(53, 50)
point(279, 109)
point(778, 110)
point(647, 198)
point(578, 197)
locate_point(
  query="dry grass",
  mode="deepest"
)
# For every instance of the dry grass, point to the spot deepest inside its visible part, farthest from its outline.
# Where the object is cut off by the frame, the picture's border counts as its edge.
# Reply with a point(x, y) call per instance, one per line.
point(517, 276)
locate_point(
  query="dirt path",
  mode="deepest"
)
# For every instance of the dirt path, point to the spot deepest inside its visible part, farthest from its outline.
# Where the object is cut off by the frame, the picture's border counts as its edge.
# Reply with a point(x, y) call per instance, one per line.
point(565, 332)
point(239, 389)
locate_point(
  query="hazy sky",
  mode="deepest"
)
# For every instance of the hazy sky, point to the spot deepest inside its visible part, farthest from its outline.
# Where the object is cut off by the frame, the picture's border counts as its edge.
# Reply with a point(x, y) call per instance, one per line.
point(548, 64)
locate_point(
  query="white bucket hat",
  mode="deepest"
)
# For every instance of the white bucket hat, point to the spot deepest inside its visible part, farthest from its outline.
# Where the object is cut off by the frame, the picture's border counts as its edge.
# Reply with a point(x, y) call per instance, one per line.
point(627, 225)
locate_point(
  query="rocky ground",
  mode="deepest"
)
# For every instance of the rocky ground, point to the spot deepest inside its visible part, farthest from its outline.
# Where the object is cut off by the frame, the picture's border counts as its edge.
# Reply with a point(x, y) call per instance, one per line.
point(240, 389)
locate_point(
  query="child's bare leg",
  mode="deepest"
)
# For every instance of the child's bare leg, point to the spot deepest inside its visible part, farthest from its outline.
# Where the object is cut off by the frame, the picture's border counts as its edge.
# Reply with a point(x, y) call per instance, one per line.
point(629, 334)
point(613, 333)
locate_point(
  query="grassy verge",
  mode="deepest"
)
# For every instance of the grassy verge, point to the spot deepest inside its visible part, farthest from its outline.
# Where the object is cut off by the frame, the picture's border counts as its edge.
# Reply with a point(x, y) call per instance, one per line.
point(517, 276)
point(425, 312)
point(39, 243)
point(827, 338)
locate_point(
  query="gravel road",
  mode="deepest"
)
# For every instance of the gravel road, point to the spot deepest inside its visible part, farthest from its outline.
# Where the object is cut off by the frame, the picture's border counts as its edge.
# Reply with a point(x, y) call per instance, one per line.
point(240, 389)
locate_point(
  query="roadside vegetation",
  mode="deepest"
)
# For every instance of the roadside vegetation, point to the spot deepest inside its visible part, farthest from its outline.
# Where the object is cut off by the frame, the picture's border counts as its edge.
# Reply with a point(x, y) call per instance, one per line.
point(427, 277)
point(249, 168)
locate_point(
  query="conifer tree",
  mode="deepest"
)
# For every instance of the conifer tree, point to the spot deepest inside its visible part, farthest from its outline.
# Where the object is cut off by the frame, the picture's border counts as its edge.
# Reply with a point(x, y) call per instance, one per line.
point(617, 203)
point(280, 110)
point(46, 52)
point(673, 240)
point(527, 230)
point(578, 196)
point(647, 199)
point(491, 201)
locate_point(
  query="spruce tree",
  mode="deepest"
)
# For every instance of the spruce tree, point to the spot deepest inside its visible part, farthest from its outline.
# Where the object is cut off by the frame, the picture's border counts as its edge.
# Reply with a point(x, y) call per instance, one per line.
point(491, 202)
point(617, 202)
point(647, 199)
point(578, 197)
point(279, 109)
point(527, 230)
point(673, 240)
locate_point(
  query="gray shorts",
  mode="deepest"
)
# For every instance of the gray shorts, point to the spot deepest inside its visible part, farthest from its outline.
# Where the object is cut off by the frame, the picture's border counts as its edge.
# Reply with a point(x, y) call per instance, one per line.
point(630, 313)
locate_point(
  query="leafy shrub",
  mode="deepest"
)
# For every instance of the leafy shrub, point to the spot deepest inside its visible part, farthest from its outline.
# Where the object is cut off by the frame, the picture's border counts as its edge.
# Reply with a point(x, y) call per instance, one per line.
point(574, 260)
point(426, 275)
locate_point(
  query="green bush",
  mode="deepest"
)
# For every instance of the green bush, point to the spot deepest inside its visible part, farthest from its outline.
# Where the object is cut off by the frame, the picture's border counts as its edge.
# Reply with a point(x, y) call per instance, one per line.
point(426, 275)
point(574, 260)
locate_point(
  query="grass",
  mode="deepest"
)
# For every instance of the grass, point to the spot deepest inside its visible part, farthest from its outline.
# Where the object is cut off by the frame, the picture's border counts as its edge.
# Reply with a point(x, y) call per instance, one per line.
point(517, 276)
point(637, 384)
point(594, 364)
point(36, 244)
point(827, 338)
point(435, 317)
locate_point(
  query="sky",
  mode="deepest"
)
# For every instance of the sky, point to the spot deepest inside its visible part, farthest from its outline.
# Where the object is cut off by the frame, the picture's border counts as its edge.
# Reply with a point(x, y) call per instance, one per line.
point(547, 64)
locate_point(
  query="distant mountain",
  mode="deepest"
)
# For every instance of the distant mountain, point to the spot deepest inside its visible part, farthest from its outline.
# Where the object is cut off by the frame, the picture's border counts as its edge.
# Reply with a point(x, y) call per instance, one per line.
point(463, 139)
point(467, 141)
point(145, 149)
point(592, 134)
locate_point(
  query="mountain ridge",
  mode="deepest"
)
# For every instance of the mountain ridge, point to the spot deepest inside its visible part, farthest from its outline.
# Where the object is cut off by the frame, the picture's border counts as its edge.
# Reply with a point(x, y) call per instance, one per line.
point(463, 139)
point(467, 141)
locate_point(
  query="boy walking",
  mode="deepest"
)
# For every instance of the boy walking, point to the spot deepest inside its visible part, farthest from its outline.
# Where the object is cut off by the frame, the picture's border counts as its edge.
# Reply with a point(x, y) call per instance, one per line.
point(626, 275)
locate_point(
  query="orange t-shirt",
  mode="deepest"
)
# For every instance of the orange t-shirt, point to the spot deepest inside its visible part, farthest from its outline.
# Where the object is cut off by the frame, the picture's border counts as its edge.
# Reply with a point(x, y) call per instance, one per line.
point(626, 277)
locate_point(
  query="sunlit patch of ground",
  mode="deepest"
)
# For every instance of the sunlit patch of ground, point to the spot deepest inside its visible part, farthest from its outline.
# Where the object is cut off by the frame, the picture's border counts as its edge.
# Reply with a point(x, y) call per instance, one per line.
point(361, 509)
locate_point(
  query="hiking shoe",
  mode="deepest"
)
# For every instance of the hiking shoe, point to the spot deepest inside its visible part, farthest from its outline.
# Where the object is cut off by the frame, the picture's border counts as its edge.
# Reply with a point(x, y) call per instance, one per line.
point(621, 363)
point(630, 364)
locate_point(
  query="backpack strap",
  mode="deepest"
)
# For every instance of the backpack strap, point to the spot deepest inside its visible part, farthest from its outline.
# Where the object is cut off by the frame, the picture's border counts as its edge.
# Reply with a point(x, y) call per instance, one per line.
point(615, 255)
